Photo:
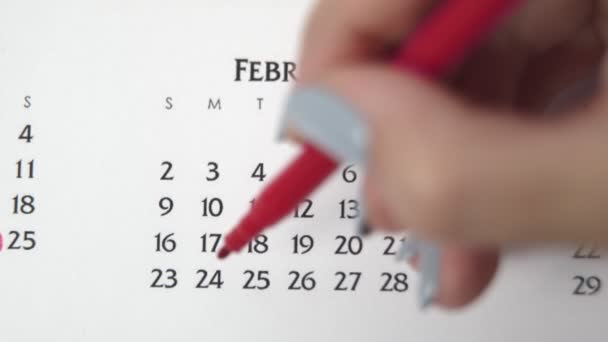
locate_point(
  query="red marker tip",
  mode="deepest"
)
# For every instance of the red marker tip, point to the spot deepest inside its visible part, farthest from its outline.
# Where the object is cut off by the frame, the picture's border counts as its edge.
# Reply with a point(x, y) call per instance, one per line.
point(224, 252)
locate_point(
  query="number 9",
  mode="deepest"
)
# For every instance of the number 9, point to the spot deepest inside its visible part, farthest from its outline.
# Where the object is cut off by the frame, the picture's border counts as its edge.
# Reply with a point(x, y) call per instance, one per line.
point(166, 205)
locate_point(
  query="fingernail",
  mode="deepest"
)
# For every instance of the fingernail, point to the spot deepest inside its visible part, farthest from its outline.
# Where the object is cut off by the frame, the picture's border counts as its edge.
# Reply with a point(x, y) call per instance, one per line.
point(327, 121)
point(408, 249)
point(430, 268)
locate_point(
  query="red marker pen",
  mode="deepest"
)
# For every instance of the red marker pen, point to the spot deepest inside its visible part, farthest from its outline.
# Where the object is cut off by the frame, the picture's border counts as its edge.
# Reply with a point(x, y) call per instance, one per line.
point(439, 44)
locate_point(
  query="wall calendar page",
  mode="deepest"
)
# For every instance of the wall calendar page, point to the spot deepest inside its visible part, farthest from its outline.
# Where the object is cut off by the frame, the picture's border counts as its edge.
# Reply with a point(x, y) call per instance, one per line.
point(134, 134)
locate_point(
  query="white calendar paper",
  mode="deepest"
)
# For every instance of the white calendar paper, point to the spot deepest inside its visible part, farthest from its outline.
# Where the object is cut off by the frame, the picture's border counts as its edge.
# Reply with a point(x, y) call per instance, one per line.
point(128, 145)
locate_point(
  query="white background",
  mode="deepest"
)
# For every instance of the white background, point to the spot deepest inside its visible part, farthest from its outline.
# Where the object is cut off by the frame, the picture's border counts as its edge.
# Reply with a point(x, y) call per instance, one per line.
point(98, 73)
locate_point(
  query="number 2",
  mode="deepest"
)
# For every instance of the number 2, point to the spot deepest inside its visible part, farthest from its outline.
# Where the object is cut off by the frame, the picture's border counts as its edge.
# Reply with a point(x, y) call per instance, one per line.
point(351, 245)
point(389, 250)
point(23, 241)
point(305, 211)
point(168, 282)
point(166, 174)
point(587, 286)
point(586, 252)
point(343, 276)
point(259, 282)
point(394, 283)
point(206, 282)
point(305, 282)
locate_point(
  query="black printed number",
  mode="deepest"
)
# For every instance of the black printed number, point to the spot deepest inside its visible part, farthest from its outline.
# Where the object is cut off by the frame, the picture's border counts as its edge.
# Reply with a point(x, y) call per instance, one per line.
point(302, 244)
point(349, 245)
point(212, 207)
point(347, 282)
point(303, 210)
point(164, 278)
point(586, 252)
point(166, 206)
point(26, 134)
point(391, 249)
point(23, 205)
point(349, 175)
point(259, 172)
point(587, 286)
point(25, 240)
point(165, 243)
point(166, 174)
point(302, 282)
point(259, 245)
point(394, 282)
point(256, 280)
point(349, 209)
point(214, 172)
point(210, 242)
point(209, 279)
point(25, 169)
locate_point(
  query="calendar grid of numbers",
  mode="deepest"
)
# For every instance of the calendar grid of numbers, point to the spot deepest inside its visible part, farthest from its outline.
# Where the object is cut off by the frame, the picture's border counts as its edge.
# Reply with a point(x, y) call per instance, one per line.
point(134, 134)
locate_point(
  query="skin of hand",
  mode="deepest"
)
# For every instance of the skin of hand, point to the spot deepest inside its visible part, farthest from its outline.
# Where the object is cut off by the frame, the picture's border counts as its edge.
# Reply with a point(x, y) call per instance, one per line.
point(475, 162)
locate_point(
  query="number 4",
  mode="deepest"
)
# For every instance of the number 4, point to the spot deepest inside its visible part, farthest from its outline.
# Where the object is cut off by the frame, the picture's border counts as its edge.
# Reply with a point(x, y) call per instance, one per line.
point(26, 134)
point(259, 172)
point(206, 282)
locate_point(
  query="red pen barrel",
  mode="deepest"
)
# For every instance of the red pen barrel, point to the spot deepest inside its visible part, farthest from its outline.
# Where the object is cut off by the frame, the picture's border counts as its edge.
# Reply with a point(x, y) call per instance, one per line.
point(445, 38)
point(440, 43)
point(283, 195)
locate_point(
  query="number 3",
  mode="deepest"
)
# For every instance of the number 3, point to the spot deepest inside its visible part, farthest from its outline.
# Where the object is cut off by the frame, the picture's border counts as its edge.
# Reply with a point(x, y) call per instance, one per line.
point(171, 278)
point(214, 174)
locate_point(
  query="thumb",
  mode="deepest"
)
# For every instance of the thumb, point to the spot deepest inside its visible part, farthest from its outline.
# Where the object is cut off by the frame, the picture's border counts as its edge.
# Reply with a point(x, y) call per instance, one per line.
point(456, 171)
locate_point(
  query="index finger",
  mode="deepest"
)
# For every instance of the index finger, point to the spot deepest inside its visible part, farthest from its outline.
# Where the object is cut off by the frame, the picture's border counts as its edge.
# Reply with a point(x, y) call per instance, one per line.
point(342, 32)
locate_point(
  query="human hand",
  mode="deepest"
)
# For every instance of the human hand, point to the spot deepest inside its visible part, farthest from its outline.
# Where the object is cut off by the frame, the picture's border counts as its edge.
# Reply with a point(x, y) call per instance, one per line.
point(478, 162)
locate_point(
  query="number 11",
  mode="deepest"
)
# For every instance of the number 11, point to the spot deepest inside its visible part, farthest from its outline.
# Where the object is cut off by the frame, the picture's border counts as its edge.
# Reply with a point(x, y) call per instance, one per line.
point(25, 170)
